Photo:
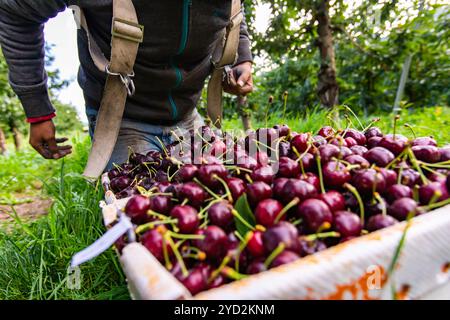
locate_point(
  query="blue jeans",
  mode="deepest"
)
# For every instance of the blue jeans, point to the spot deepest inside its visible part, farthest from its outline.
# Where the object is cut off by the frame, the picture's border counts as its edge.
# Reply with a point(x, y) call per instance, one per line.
point(141, 137)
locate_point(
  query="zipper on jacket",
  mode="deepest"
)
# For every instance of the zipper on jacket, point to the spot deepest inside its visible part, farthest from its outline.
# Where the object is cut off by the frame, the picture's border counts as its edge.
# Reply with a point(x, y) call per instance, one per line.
point(183, 43)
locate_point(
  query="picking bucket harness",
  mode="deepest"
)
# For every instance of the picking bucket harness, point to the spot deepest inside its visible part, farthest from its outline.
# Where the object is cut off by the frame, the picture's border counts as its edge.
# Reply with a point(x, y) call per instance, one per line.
point(127, 34)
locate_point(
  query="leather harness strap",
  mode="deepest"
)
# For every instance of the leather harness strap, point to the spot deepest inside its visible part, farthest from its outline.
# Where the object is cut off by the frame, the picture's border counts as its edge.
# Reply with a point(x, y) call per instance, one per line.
point(127, 34)
point(223, 59)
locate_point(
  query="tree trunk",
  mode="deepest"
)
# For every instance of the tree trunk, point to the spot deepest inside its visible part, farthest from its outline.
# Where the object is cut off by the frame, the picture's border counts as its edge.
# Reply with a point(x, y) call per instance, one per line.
point(241, 104)
point(2, 142)
point(327, 89)
point(18, 139)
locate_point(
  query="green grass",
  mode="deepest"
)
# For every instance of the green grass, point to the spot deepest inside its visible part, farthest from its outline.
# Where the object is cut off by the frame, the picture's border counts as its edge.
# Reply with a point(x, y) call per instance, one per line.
point(34, 256)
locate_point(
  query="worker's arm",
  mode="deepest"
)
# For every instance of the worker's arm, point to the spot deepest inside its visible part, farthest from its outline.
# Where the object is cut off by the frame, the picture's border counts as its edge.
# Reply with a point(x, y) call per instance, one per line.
point(22, 41)
point(241, 82)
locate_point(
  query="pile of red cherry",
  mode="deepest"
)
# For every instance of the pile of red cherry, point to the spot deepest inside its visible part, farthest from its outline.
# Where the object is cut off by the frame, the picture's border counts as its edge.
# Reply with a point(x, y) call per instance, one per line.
point(211, 221)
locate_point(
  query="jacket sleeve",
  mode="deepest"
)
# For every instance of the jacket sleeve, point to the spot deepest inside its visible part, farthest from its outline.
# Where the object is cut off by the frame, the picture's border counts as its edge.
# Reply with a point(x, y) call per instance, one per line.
point(22, 41)
point(244, 50)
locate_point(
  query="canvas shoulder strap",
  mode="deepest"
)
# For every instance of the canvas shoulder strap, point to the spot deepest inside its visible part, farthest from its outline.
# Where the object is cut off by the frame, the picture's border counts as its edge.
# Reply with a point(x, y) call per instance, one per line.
point(224, 57)
point(127, 34)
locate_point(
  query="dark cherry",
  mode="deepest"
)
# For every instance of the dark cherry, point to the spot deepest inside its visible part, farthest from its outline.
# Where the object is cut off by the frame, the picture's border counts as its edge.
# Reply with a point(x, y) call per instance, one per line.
point(350, 142)
point(427, 153)
point(379, 156)
point(335, 174)
point(300, 142)
point(318, 141)
point(328, 151)
point(397, 191)
point(283, 232)
point(359, 150)
point(215, 242)
point(400, 208)
point(206, 174)
point(390, 176)
point(373, 132)
point(367, 181)
point(311, 178)
point(409, 177)
point(359, 137)
point(373, 142)
point(284, 258)
point(278, 185)
point(126, 193)
point(256, 245)
point(262, 158)
point(380, 221)
point(308, 161)
point(424, 141)
point(308, 247)
point(288, 168)
point(347, 224)
point(153, 241)
point(114, 173)
point(335, 200)
point(161, 176)
point(283, 130)
point(264, 174)
point(220, 214)
point(193, 193)
point(344, 152)
point(195, 282)
point(432, 190)
point(356, 159)
point(445, 154)
point(136, 208)
point(256, 266)
point(396, 146)
point(237, 187)
point(315, 213)
point(267, 211)
point(161, 204)
point(296, 188)
point(120, 183)
point(326, 131)
point(187, 172)
point(258, 191)
point(187, 216)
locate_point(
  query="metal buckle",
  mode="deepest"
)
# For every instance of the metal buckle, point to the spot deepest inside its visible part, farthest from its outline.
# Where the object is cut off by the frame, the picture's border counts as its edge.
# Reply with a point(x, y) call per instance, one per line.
point(126, 80)
point(129, 37)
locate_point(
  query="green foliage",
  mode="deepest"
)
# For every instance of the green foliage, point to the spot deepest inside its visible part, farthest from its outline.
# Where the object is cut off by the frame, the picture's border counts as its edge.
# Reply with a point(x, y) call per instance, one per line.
point(372, 40)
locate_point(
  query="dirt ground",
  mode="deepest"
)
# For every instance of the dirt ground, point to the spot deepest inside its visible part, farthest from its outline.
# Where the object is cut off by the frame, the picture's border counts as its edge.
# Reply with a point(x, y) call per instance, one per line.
point(26, 211)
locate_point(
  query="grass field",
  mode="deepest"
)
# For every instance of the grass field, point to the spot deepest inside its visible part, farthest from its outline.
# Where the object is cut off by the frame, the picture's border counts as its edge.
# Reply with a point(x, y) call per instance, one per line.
point(34, 256)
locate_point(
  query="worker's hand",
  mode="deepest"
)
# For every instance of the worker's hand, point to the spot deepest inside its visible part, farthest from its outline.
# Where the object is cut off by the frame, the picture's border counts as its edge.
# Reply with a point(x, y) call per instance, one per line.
point(241, 80)
point(42, 139)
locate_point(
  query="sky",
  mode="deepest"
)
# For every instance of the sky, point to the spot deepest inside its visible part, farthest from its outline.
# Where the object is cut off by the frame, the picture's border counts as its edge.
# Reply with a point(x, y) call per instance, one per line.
point(61, 33)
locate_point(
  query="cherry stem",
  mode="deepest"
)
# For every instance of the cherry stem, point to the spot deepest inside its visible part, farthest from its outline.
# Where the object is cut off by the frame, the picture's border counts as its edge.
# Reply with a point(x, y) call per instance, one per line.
point(225, 186)
point(216, 272)
point(238, 235)
point(210, 204)
point(233, 274)
point(356, 117)
point(275, 253)
point(148, 226)
point(323, 235)
point(414, 162)
point(285, 96)
point(206, 188)
point(416, 193)
point(297, 222)
point(371, 124)
point(166, 254)
point(264, 145)
point(186, 236)
point(175, 250)
point(291, 204)
point(355, 192)
point(163, 146)
point(237, 215)
point(382, 202)
point(241, 248)
point(249, 179)
point(407, 125)
point(436, 195)
point(319, 169)
point(436, 205)
point(395, 125)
